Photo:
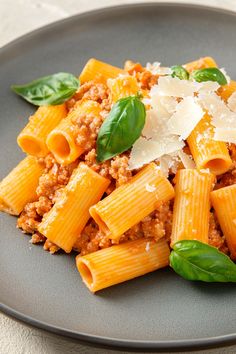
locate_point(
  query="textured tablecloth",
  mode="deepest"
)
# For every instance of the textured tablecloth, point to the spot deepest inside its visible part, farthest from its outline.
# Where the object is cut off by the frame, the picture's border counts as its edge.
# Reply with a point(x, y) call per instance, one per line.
point(16, 18)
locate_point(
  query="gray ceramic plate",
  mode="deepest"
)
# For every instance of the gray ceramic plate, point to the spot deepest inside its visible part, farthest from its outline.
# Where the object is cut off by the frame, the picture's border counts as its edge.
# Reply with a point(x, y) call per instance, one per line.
point(159, 310)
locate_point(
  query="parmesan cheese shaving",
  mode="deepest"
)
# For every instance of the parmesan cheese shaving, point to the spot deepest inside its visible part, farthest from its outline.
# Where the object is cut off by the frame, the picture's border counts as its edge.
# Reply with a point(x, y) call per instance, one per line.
point(232, 102)
point(174, 111)
point(186, 160)
point(225, 74)
point(222, 116)
point(145, 151)
point(169, 162)
point(224, 134)
point(156, 69)
point(183, 121)
point(208, 86)
point(172, 86)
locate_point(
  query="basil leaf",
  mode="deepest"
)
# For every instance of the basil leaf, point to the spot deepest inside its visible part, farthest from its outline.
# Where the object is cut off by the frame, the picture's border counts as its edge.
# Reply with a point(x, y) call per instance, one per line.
point(180, 72)
point(194, 260)
point(48, 90)
point(121, 128)
point(209, 74)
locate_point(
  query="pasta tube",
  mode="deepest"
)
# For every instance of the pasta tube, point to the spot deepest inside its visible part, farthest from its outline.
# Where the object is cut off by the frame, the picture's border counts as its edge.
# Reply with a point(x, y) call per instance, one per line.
point(32, 138)
point(122, 86)
point(208, 153)
point(95, 69)
point(191, 206)
point(131, 202)
point(70, 213)
point(123, 262)
point(62, 140)
point(226, 91)
point(224, 203)
point(202, 63)
point(19, 187)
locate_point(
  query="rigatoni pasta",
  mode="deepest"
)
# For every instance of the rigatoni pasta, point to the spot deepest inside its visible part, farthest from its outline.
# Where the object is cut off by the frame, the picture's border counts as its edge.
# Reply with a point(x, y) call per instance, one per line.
point(202, 63)
point(128, 163)
point(224, 203)
point(207, 152)
point(129, 204)
point(96, 69)
point(122, 86)
point(62, 140)
point(227, 90)
point(19, 187)
point(123, 262)
point(192, 205)
point(32, 139)
point(69, 215)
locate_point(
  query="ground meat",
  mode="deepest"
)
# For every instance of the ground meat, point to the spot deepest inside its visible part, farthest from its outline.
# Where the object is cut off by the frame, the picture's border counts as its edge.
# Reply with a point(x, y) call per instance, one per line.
point(227, 179)
point(43, 205)
point(114, 169)
point(132, 68)
point(101, 168)
point(37, 238)
point(97, 92)
point(92, 90)
point(29, 219)
point(155, 226)
point(144, 77)
point(215, 236)
point(87, 128)
point(119, 169)
point(54, 178)
point(91, 240)
point(232, 151)
point(50, 246)
point(79, 94)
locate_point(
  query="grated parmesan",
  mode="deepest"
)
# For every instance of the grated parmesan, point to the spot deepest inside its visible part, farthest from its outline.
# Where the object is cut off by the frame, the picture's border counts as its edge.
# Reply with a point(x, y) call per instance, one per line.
point(147, 248)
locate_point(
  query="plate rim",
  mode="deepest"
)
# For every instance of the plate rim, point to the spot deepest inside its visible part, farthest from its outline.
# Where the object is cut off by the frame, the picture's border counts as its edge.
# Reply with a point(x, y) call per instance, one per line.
point(200, 343)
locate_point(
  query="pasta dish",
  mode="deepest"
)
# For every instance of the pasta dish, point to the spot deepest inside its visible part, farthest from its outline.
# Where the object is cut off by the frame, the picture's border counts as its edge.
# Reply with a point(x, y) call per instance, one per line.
point(133, 169)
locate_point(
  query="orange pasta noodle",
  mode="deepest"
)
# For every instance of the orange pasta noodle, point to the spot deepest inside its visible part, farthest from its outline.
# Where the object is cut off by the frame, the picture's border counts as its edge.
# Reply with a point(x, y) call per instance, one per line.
point(208, 153)
point(226, 91)
point(202, 63)
point(192, 205)
point(122, 86)
point(131, 202)
point(62, 140)
point(123, 262)
point(96, 69)
point(19, 187)
point(32, 138)
point(224, 203)
point(70, 213)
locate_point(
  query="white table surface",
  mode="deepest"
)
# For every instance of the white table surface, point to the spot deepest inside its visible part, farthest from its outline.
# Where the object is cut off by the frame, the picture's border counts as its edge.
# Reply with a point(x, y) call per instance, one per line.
point(18, 17)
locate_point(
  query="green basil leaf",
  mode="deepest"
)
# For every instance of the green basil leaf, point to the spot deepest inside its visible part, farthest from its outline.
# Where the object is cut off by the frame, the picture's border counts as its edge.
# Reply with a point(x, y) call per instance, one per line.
point(194, 260)
point(48, 90)
point(180, 72)
point(209, 74)
point(121, 128)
